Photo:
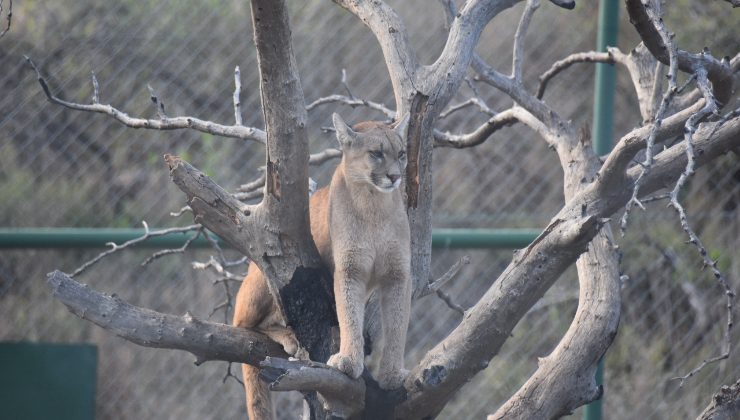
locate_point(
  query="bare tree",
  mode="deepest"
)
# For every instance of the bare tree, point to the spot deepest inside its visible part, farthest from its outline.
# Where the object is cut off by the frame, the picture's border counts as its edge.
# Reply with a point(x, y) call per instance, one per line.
point(275, 234)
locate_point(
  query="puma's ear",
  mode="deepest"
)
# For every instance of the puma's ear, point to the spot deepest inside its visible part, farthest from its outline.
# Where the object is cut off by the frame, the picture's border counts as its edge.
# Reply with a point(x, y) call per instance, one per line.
point(345, 135)
point(402, 126)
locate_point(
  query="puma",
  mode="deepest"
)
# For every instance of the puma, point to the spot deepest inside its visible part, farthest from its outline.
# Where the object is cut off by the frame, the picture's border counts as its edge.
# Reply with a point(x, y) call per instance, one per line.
point(361, 230)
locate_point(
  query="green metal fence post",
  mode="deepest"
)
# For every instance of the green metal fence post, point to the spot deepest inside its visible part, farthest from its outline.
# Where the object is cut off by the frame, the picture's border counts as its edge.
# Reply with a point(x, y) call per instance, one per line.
point(603, 129)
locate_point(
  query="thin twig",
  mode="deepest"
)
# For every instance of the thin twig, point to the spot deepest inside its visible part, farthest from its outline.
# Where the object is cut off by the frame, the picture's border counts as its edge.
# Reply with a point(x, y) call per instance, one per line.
point(220, 268)
point(226, 304)
point(345, 84)
point(237, 96)
point(482, 106)
point(96, 88)
point(353, 102)
point(147, 234)
point(183, 210)
point(664, 104)
point(655, 198)
point(246, 191)
point(171, 251)
point(448, 300)
point(710, 107)
point(231, 375)
point(435, 286)
point(325, 156)
point(453, 271)
point(158, 104)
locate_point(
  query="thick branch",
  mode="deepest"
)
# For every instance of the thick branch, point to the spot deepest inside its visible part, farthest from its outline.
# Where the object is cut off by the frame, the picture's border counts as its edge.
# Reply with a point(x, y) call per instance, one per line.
point(342, 396)
point(630, 144)
point(564, 379)
point(217, 210)
point(206, 340)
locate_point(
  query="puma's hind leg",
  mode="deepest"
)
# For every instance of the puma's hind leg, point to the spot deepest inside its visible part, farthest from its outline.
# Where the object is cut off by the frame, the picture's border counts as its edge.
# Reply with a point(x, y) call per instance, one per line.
point(253, 304)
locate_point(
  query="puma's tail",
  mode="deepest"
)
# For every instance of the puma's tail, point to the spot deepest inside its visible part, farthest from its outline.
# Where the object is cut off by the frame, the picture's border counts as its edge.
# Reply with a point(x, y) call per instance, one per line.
point(259, 406)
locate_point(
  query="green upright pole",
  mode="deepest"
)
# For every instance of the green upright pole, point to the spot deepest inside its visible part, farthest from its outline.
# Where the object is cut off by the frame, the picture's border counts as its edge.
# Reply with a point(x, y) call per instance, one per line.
point(603, 129)
point(605, 86)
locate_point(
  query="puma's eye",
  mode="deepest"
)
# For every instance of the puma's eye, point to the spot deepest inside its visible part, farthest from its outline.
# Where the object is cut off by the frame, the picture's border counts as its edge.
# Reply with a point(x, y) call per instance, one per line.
point(376, 154)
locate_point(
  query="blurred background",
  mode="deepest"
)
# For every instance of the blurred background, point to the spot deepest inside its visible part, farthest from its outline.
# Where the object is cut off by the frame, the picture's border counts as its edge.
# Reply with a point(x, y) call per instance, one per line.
point(61, 168)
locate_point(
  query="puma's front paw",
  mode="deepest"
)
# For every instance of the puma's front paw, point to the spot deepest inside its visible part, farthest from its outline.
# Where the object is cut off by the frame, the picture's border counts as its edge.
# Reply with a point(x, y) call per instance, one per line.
point(392, 379)
point(353, 368)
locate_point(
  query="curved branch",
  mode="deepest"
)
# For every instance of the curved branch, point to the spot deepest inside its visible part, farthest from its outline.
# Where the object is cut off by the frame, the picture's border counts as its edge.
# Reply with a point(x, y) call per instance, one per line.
point(479, 135)
point(206, 340)
point(521, 33)
point(560, 65)
point(166, 123)
point(564, 379)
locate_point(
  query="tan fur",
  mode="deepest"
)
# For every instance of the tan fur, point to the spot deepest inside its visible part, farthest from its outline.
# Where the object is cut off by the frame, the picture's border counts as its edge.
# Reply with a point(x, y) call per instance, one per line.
point(361, 230)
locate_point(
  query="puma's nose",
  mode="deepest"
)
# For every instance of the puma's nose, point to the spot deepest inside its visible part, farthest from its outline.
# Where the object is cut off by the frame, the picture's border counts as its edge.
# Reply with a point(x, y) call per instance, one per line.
point(394, 178)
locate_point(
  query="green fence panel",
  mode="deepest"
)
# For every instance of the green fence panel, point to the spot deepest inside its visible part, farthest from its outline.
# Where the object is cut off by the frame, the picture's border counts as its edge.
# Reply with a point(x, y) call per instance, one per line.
point(47, 381)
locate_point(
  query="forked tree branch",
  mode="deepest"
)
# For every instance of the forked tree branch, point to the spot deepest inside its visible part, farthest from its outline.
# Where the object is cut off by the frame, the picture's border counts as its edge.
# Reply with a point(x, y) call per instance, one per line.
point(162, 123)
point(718, 71)
point(488, 324)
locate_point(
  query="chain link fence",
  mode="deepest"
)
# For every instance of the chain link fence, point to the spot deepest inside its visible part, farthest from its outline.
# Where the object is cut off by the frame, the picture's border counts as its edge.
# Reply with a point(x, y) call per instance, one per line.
point(65, 168)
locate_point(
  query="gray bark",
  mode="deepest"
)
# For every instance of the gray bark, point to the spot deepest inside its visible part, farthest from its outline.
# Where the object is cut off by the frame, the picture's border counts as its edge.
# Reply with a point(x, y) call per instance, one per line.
point(206, 340)
point(725, 404)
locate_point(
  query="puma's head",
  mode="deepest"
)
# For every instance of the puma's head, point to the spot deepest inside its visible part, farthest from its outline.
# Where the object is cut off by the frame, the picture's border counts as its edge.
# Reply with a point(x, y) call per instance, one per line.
point(373, 152)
